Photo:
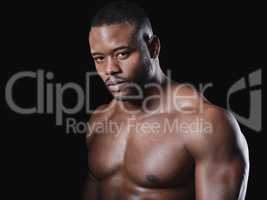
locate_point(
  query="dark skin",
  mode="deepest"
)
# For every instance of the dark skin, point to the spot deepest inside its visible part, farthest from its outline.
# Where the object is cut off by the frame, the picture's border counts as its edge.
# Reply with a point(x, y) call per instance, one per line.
point(131, 163)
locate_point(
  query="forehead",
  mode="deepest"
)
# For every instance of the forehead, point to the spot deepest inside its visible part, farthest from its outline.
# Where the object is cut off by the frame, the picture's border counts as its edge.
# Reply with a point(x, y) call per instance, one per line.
point(112, 36)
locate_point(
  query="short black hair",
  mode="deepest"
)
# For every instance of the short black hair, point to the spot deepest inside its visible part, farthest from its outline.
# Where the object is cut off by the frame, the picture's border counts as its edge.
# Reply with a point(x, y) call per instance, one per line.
point(120, 12)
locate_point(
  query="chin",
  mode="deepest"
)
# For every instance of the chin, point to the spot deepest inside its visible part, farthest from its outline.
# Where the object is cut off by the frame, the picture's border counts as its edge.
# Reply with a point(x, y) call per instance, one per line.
point(122, 96)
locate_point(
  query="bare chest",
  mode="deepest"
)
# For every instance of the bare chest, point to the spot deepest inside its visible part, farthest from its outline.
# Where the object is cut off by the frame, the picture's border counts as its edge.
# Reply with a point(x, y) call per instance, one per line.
point(148, 152)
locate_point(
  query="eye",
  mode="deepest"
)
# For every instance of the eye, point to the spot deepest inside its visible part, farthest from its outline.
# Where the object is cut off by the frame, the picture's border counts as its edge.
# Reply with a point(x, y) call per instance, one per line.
point(123, 55)
point(99, 59)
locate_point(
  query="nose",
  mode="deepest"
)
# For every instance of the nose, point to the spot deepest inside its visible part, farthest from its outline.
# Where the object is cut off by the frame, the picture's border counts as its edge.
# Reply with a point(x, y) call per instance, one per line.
point(112, 66)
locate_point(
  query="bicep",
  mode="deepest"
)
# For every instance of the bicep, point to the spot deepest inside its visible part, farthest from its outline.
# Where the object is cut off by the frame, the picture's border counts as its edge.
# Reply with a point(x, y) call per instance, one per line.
point(220, 179)
point(221, 159)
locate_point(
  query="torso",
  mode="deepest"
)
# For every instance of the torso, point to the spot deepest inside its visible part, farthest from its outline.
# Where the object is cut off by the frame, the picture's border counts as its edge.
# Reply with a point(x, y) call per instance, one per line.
point(141, 163)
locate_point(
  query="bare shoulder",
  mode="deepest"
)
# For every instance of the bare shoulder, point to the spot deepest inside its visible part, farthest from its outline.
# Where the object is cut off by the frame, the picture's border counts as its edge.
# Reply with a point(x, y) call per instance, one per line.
point(223, 139)
point(217, 130)
point(190, 104)
point(224, 126)
point(185, 96)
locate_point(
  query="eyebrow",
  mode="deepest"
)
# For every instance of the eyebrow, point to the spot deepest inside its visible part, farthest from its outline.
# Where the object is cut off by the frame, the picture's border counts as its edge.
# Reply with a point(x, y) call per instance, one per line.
point(114, 50)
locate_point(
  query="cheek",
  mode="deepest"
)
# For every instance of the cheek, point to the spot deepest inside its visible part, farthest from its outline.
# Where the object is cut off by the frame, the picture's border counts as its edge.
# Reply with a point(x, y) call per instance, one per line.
point(101, 72)
point(133, 66)
point(99, 68)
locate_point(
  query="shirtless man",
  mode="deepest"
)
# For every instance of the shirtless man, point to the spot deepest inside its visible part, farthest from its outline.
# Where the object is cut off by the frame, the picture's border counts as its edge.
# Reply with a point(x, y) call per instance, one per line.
point(143, 155)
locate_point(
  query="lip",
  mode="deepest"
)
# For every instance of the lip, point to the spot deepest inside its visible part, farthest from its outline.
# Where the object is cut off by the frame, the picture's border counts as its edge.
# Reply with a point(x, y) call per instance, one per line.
point(114, 82)
point(115, 87)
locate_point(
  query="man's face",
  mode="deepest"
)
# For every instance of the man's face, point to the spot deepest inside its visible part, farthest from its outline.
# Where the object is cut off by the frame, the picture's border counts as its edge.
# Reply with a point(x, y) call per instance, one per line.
point(120, 57)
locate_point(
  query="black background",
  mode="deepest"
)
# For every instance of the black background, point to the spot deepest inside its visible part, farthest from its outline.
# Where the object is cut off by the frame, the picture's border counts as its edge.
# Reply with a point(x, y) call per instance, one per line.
point(201, 43)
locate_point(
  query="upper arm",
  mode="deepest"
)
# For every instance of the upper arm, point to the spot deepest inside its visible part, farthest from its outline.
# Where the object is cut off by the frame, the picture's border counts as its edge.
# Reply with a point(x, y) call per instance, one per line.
point(221, 158)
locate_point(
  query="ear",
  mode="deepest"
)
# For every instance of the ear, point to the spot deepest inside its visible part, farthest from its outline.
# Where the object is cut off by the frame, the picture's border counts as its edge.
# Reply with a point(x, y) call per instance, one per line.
point(154, 46)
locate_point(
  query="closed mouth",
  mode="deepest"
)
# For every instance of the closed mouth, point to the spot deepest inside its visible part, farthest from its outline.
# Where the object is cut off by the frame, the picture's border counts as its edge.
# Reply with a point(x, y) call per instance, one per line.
point(116, 86)
point(115, 83)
